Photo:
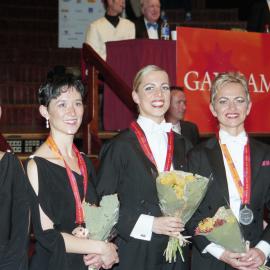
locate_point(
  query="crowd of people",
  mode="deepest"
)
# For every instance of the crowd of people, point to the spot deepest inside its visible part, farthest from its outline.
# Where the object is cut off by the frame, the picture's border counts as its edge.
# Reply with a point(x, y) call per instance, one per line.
point(48, 191)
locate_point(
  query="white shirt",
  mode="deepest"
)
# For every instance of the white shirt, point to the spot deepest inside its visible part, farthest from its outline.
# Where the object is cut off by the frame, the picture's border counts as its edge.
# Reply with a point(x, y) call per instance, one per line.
point(235, 145)
point(157, 138)
point(268, 2)
point(152, 33)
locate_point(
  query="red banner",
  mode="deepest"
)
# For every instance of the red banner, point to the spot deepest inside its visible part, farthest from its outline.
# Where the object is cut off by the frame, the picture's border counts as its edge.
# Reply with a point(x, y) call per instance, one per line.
point(202, 53)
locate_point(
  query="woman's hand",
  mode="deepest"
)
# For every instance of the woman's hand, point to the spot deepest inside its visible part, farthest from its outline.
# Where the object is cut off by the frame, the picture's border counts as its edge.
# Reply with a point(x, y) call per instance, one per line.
point(109, 255)
point(93, 260)
point(255, 257)
point(235, 260)
point(170, 226)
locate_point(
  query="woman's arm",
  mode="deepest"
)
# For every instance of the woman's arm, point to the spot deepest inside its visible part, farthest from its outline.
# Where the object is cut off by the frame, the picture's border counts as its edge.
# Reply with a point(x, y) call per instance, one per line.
point(72, 244)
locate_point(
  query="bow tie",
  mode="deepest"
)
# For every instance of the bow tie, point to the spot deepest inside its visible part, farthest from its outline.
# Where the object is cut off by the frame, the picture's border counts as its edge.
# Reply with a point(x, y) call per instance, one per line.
point(163, 127)
point(154, 25)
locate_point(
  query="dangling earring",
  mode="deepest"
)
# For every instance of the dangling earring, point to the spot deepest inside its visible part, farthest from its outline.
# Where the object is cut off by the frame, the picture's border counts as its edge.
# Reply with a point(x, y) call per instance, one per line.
point(47, 123)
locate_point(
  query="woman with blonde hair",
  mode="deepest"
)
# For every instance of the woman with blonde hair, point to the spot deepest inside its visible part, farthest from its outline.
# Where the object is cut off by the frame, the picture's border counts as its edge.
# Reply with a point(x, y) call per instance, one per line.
point(129, 166)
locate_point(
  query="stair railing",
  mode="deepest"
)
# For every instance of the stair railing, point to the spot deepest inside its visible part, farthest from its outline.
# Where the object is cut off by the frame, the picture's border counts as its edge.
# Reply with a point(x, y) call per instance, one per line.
point(96, 66)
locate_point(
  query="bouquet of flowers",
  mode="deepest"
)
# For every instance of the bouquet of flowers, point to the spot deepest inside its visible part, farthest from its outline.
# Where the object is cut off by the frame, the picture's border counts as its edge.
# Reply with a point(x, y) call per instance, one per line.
point(180, 194)
point(223, 229)
point(100, 220)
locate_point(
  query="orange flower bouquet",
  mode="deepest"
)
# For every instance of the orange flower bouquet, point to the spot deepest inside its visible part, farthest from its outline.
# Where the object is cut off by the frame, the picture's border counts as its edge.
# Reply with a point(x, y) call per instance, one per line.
point(180, 194)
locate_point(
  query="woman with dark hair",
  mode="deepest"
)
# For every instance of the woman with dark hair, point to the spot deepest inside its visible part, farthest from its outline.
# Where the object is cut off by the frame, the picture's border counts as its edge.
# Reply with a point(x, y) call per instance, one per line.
point(61, 178)
point(14, 211)
point(129, 166)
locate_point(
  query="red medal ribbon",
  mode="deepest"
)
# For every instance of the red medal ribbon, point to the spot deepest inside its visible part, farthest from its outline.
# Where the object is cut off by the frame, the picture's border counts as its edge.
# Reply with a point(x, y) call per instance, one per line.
point(79, 211)
point(244, 190)
point(135, 127)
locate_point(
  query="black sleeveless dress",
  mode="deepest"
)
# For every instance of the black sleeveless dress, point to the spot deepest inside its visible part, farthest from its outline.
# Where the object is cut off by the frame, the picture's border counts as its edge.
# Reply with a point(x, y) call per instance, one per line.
point(57, 202)
point(14, 215)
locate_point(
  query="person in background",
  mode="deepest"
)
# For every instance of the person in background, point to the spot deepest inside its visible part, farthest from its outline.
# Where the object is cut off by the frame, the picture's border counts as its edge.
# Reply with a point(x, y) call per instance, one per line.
point(111, 27)
point(259, 16)
point(15, 214)
point(126, 169)
point(60, 179)
point(176, 113)
point(149, 24)
point(240, 167)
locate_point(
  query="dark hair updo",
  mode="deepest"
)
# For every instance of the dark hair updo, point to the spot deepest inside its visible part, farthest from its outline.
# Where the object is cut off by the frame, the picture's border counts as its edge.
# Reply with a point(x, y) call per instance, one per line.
point(56, 84)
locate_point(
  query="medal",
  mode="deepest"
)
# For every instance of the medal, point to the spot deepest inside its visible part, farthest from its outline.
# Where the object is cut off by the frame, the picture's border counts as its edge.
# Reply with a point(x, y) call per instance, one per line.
point(246, 216)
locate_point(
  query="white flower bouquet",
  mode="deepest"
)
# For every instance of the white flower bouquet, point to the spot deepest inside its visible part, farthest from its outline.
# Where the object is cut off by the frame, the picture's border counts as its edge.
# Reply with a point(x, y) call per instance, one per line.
point(180, 194)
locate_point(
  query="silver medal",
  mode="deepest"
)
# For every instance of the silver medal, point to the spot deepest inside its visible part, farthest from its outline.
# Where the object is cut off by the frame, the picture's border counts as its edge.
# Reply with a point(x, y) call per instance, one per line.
point(245, 216)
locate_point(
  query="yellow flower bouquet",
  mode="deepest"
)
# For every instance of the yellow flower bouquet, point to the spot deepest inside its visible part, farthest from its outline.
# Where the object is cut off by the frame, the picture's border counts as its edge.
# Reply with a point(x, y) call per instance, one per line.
point(180, 194)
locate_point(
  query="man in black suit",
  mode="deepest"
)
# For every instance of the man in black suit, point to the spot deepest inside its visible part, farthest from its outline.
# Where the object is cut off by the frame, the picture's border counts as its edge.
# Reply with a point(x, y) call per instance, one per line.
point(240, 167)
point(149, 24)
point(176, 113)
point(259, 16)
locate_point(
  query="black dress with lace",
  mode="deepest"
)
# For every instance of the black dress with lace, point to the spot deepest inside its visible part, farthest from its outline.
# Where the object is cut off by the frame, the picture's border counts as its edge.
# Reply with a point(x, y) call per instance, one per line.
point(14, 215)
point(56, 199)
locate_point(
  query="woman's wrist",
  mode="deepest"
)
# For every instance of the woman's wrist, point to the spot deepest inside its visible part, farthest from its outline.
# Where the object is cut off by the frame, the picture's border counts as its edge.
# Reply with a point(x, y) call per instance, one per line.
point(101, 247)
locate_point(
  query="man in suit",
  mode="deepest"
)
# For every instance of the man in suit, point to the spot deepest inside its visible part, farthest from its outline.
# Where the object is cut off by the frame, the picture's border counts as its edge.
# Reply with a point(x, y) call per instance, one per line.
point(111, 27)
point(259, 16)
point(176, 113)
point(149, 24)
point(240, 167)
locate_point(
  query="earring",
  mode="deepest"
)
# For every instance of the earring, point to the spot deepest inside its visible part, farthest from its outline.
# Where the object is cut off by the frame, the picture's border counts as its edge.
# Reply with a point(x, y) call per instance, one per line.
point(47, 123)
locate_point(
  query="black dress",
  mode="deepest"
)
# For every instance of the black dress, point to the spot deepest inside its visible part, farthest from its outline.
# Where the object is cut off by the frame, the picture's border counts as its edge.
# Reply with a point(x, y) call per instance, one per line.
point(125, 170)
point(14, 212)
point(57, 201)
